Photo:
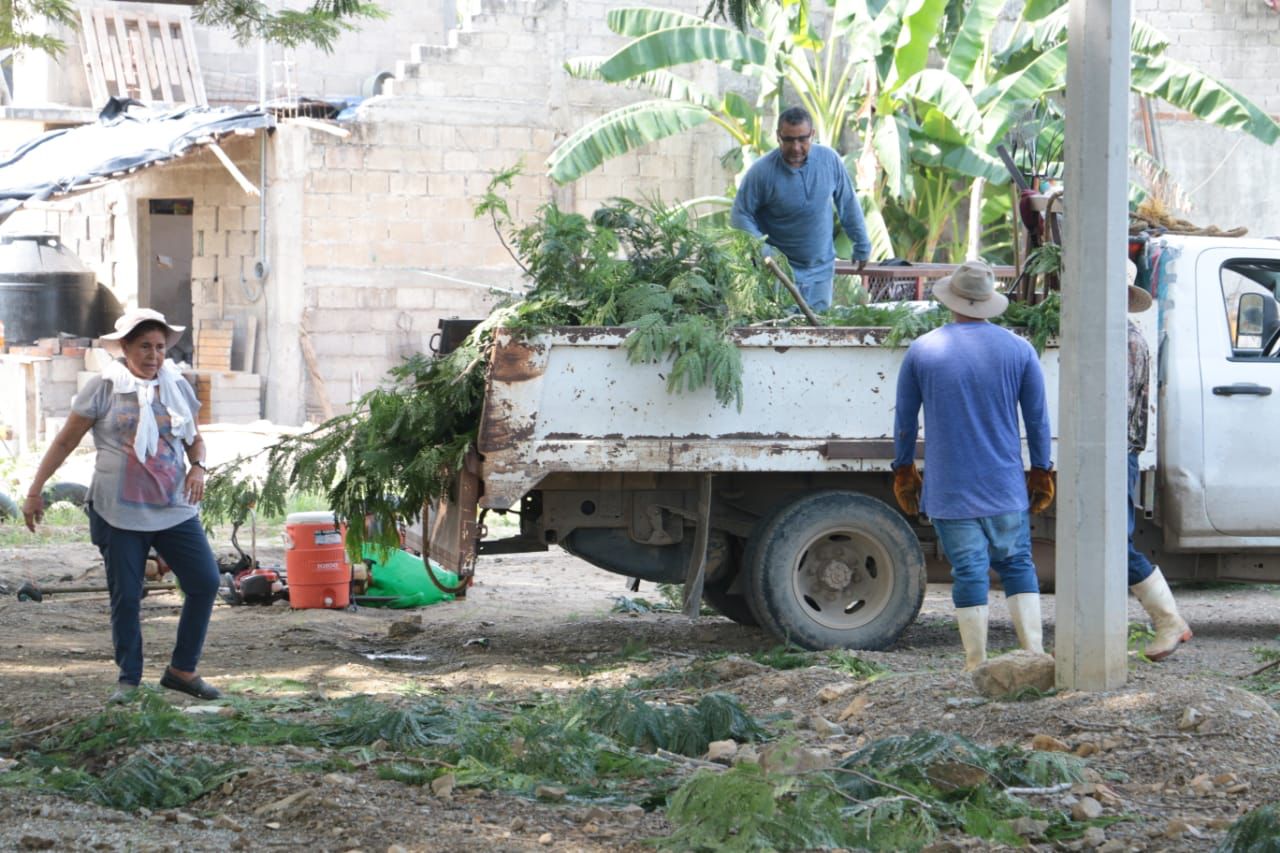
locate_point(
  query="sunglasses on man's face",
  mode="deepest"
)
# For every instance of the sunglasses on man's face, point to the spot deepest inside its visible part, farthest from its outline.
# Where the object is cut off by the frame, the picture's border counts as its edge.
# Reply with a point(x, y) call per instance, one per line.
point(792, 140)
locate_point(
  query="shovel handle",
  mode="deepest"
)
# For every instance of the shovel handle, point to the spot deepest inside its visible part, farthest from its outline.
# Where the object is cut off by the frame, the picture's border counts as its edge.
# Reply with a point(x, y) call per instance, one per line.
point(773, 267)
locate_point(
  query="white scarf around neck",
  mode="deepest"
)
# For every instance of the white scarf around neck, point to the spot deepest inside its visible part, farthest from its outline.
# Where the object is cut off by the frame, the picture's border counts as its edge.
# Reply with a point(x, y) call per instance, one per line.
point(147, 437)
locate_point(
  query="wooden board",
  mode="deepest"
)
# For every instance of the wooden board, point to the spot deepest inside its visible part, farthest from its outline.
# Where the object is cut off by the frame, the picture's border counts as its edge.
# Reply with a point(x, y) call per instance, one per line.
point(213, 344)
point(148, 57)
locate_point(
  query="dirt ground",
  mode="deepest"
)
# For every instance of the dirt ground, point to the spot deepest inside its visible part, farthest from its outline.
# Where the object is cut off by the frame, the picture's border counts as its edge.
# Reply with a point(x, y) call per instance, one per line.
point(533, 625)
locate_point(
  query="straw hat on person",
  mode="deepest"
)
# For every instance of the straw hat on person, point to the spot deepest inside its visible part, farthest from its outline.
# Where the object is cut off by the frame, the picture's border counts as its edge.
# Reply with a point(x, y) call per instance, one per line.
point(130, 320)
point(1139, 299)
point(971, 291)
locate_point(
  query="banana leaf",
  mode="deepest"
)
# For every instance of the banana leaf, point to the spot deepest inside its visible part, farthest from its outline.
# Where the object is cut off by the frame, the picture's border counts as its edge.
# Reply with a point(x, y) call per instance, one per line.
point(973, 38)
point(620, 131)
point(680, 45)
point(1201, 95)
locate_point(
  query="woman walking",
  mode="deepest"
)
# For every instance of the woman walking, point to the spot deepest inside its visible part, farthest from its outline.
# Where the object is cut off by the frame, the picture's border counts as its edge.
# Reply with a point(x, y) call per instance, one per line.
point(143, 416)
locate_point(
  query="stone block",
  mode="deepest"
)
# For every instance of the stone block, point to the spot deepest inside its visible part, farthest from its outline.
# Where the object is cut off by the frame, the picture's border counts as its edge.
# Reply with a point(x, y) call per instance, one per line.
point(416, 298)
point(204, 266)
point(338, 155)
point(204, 218)
point(370, 183)
point(326, 229)
point(328, 182)
point(409, 185)
point(461, 162)
point(408, 231)
point(387, 158)
point(240, 243)
point(231, 218)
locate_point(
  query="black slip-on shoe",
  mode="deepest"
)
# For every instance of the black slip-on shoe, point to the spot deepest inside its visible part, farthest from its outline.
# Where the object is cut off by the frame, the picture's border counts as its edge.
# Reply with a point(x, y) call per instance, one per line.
point(197, 687)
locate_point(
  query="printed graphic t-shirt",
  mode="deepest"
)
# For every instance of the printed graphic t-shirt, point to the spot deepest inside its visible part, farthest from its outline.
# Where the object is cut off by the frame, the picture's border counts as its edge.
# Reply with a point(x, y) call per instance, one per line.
point(125, 492)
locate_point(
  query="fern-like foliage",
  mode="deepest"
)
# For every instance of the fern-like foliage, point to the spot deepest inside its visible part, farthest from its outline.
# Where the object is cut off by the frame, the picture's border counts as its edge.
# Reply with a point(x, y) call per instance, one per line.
point(1256, 832)
point(622, 716)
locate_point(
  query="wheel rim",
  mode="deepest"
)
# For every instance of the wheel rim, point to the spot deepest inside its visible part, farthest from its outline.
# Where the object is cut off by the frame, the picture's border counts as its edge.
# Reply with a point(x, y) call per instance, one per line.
point(842, 579)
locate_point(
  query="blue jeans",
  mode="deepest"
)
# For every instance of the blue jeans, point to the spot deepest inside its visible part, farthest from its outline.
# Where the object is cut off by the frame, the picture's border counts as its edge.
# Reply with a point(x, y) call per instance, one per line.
point(975, 545)
point(1140, 567)
point(186, 549)
point(815, 284)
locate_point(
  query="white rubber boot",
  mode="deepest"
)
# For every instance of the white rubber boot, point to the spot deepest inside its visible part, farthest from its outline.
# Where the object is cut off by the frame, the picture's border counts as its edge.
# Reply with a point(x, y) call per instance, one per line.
point(973, 634)
point(1171, 628)
point(1024, 610)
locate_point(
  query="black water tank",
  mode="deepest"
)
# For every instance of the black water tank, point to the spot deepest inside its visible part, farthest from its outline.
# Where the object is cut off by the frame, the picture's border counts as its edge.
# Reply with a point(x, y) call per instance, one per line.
point(45, 289)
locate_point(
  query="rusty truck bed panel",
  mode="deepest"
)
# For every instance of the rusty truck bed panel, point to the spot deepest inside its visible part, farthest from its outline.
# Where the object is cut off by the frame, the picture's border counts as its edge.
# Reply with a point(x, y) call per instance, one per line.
point(569, 400)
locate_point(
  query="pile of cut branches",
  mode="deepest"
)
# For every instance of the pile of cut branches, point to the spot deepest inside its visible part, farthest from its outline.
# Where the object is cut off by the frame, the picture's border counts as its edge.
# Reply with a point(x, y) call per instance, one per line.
point(679, 287)
point(647, 267)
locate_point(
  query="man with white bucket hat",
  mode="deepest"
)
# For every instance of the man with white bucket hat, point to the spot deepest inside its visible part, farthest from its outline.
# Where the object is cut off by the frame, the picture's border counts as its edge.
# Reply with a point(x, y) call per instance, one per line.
point(1146, 580)
point(972, 377)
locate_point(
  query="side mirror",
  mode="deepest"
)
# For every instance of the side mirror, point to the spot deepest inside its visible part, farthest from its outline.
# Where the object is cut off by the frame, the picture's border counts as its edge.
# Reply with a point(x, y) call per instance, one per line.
point(1249, 321)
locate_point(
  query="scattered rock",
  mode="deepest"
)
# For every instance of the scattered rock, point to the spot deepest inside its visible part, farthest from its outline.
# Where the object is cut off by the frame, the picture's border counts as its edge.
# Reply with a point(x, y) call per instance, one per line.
point(1176, 828)
point(631, 811)
point(1086, 808)
point(396, 848)
point(404, 628)
point(1202, 785)
point(722, 751)
point(1222, 780)
point(832, 692)
point(792, 760)
point(442, 786)
point(545, 839)
point(517, 824)
point(965, 701)
point(1238, 788)
point(550, 792)
point(1190, 720)
point(824, 727)
point(222, 821)
point(1115, 845)
point(1048, 743)
point(734, 667)
point(952, 775)
point(280, 806)
point(1086, 749)
point(1029, 827)
point(1094, 836)
point(597, 814)
point(340, 779)
point(854, 708)
point(37, 842)
point(1008, 674)
point(746, 754)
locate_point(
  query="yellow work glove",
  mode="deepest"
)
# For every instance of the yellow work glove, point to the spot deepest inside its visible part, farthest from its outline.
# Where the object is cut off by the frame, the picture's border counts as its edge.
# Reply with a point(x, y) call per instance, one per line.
point(907, 484)
point(1040, 489)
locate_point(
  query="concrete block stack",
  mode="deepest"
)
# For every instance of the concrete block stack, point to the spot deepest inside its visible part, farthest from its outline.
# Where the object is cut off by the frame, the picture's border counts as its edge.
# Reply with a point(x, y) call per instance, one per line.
point(227, 397)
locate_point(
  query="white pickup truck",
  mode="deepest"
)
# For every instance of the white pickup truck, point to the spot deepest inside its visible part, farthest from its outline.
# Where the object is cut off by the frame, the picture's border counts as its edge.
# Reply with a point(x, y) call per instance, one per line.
point(785, 508)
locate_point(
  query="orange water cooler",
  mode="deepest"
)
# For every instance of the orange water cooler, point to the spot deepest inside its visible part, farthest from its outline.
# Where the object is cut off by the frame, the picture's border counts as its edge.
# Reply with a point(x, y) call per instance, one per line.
point(315, 563)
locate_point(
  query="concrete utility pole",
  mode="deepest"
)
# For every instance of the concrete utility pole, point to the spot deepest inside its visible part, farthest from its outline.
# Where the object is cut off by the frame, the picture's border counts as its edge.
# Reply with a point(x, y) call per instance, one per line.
point(1092, 626)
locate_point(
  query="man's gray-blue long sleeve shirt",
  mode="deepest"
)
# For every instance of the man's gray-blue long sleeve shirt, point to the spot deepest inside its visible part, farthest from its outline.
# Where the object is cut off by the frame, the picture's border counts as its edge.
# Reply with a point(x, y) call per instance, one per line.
point(792, 207)
point(971, 379)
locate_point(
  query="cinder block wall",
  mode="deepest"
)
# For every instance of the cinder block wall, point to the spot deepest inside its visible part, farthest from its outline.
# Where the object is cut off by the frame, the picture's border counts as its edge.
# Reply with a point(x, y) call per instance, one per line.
point(1226, 173)
point(387, 214)
point(106, 229)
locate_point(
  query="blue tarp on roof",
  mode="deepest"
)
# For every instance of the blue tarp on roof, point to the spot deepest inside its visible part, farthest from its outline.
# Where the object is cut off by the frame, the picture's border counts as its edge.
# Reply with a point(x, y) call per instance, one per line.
point(126, 137)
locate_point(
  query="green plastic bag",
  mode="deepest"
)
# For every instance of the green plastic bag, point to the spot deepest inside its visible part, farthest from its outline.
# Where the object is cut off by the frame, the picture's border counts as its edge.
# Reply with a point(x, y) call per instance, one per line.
point(403, 577)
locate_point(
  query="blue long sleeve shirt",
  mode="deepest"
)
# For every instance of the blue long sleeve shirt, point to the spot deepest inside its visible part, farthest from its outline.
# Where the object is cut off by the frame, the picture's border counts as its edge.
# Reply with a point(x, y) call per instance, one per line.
point(791, 207)
point(971, 379)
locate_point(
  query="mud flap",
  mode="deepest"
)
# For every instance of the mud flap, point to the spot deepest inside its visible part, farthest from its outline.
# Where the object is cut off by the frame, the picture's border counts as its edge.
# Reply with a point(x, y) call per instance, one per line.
point(453, 531)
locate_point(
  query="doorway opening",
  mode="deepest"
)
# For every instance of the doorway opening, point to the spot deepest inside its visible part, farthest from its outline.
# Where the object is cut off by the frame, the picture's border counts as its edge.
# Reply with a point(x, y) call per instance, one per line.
point(169, 226)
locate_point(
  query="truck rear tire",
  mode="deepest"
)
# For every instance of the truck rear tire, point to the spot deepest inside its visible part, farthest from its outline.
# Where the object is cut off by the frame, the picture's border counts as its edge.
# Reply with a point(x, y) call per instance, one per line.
point(836, 569)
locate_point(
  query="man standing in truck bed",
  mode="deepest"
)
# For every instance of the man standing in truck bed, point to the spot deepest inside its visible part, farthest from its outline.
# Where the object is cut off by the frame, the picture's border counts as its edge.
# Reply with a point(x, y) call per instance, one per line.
point(786, 197)
point(972, 378)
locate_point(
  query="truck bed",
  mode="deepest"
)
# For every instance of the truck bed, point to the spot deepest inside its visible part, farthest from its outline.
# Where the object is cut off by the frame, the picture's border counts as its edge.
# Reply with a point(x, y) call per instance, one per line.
point(568, 400)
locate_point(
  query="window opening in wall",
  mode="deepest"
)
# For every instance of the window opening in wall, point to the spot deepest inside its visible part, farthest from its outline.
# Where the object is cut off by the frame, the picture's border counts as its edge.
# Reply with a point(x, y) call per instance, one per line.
point(169, 226)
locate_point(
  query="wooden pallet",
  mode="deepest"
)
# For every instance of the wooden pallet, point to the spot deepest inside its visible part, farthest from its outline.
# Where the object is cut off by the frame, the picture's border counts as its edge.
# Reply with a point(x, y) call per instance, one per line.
point(213, 344)
point(150, 58)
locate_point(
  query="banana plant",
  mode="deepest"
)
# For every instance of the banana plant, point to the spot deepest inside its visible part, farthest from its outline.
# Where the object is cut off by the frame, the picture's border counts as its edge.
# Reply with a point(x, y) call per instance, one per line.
point(919, 139)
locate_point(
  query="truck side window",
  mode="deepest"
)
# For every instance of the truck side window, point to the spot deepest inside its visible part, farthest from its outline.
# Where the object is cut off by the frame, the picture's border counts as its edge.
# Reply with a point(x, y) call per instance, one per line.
point(1252, 313)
